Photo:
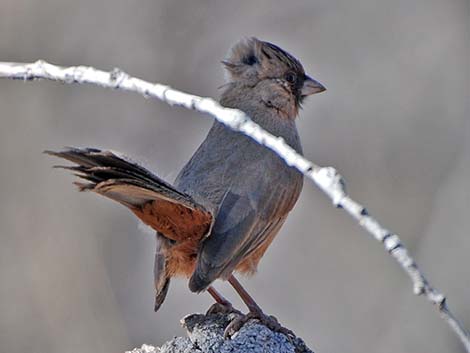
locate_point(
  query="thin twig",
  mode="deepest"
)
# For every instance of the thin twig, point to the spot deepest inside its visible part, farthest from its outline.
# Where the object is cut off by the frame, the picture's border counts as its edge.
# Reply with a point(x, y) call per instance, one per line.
point(326, 178)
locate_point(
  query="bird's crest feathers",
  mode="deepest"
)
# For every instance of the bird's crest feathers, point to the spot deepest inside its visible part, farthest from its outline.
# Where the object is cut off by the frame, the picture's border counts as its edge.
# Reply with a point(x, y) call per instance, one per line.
point(253, 59)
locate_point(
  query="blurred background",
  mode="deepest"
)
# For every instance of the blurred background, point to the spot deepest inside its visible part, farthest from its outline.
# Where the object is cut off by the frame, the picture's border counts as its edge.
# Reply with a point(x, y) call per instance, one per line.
point(76, 270)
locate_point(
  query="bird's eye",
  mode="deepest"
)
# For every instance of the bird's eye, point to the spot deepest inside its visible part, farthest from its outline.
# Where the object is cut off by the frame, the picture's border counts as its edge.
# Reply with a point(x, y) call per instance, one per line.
point(291, 77)
point(250, 60)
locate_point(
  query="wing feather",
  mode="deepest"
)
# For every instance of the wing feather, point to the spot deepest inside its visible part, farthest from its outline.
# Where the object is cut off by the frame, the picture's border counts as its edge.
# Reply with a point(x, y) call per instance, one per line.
point(243, 228)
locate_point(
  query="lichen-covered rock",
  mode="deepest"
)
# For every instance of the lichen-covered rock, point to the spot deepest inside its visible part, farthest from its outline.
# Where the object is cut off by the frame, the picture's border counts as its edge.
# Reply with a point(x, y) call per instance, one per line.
point(206, 335)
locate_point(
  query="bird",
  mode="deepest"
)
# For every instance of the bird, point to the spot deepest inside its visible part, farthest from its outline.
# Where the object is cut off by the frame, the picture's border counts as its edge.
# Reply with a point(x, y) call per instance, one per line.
point(232, 197)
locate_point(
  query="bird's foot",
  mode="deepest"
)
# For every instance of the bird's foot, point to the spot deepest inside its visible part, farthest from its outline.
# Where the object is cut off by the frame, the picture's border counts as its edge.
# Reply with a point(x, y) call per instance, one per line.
point(257, 314)
point(223, 308)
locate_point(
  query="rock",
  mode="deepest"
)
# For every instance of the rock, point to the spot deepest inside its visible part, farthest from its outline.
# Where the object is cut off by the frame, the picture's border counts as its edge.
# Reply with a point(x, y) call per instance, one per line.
point(206, 335)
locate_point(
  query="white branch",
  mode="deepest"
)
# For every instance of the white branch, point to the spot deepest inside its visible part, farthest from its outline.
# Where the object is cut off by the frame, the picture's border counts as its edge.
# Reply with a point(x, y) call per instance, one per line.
point(326, 178)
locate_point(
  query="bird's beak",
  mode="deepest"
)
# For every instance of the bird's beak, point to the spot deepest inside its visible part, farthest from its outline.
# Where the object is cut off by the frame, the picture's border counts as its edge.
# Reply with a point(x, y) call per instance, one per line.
point(311, 87)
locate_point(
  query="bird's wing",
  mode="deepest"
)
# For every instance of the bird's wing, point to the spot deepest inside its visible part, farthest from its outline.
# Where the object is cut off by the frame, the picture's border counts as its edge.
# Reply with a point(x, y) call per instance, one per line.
point(243, 224)
point(158, 204)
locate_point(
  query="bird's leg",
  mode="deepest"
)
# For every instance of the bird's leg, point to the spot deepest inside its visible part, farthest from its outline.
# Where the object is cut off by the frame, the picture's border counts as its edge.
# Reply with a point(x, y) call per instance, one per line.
point(221, 305)
point(244, 295)
point(255, 312)
point(219, 298)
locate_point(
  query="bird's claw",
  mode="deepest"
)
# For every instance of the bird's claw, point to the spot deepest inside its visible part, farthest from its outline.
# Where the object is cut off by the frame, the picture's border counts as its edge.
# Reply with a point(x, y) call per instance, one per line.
point(267, 320)
point(219, 308)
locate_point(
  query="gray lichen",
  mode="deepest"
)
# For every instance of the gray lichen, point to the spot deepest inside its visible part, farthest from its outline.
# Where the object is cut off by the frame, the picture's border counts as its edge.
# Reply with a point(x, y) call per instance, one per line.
point(206, 335)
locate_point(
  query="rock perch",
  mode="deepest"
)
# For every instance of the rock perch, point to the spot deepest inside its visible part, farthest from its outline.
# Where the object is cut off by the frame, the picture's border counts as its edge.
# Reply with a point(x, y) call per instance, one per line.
point(206, 335)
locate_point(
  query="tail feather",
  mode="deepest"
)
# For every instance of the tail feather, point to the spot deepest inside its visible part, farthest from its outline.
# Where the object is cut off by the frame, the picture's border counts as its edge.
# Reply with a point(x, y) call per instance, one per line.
point(176, 217)
point(157, 203)
point(160, 270)
point(96, 166)
point(161, 294)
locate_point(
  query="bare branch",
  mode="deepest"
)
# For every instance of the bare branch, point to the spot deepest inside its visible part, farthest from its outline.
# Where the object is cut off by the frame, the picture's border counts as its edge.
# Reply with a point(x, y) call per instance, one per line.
point(326, 178)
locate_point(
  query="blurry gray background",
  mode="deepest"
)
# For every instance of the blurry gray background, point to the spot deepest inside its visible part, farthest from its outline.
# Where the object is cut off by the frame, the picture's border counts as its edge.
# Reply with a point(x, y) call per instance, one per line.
point(76, 269)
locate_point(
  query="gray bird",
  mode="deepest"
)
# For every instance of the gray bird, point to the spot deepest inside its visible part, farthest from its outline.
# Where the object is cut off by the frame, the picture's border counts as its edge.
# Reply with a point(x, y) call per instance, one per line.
point(232, 197)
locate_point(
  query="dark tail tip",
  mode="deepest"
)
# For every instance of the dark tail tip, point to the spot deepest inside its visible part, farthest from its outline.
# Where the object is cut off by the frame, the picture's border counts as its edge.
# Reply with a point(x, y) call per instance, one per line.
point(161, 295)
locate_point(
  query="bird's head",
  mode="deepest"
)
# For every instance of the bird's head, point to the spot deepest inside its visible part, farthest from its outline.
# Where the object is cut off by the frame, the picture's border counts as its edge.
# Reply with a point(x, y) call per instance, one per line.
point(273, 75)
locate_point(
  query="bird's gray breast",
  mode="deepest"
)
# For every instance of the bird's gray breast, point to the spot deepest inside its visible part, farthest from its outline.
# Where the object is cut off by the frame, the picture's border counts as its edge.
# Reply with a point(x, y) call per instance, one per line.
point(227, 160)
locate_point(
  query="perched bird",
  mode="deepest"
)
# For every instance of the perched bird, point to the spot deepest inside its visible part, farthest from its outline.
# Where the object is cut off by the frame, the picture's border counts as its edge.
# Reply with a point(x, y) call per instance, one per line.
point(232, 197)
